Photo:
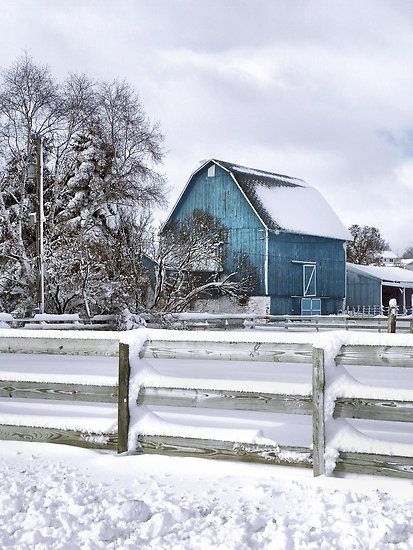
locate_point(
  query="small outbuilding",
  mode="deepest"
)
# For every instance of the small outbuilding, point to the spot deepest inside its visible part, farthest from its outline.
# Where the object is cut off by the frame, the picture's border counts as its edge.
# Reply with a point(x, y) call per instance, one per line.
point(291, 236)
point(372, 287)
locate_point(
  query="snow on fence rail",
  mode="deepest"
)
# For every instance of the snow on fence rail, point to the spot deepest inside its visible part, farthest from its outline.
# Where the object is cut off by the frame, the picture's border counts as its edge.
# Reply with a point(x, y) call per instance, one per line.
point(67, 321)
point(59, 387)
point(275, 398)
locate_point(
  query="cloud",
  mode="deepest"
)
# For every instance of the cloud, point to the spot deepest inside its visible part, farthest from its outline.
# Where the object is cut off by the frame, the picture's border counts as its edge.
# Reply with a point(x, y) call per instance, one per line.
point(319, 89)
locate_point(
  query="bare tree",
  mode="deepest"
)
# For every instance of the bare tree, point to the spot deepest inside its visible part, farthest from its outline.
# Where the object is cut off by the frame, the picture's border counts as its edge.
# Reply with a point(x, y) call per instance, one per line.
point(408, 253)
point(367, 246)
point(191, 264)
point(29, 101)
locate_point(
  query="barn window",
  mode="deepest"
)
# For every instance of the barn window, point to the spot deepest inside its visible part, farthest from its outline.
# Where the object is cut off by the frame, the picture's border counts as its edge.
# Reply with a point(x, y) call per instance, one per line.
point(309, 280)
point(310, 306)
point(211, 171)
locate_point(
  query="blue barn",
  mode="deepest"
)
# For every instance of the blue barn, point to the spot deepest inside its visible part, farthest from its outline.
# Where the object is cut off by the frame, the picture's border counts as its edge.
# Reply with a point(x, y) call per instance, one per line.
point(285, 228)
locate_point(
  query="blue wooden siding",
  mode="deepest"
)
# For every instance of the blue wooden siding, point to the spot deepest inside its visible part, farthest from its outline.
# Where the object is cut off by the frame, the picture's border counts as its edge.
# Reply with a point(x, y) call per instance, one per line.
point(285, 281)
point(362, 290)
point(221, 197)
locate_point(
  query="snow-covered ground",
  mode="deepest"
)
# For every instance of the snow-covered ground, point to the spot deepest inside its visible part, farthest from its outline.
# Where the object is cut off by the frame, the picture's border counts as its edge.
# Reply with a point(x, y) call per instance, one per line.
point(53, 496)
point(61, 497)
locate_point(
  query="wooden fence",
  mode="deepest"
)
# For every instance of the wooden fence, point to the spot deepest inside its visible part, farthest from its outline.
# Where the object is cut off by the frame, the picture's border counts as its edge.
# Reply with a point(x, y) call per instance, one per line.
point(315, 323)
point(367, 408)
point(320, 323)
point(220, 348)
point(194, 321)
point(68, 321)
point(23, 386)
point(267, 352)
point(385, 410)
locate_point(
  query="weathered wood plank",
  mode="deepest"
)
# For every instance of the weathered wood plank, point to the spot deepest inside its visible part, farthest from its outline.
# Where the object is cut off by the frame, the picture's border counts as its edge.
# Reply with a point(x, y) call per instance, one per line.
point(376, 464)
point(229, 351)
point(225, 399)
point(225, 450)
point(374, 409)
point(48, 344)
point(318, 412)
point(382, 356)
point(336, 326)
point(67, 392)
point(55, 435)
point(123, 398)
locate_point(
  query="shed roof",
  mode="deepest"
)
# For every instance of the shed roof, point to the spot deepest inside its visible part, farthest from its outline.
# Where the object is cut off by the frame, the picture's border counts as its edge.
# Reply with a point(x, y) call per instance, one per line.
point(390, 276)
point(283, 202)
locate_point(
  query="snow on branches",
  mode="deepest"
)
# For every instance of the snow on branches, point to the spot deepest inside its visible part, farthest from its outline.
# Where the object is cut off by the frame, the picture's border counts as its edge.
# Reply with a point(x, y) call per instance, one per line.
point(191, 264)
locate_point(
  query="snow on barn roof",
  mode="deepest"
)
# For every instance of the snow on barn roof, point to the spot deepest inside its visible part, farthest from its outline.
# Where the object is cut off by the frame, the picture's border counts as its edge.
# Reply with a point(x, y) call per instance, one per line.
point(286, 203)
point(387, 275)
point(280, 202)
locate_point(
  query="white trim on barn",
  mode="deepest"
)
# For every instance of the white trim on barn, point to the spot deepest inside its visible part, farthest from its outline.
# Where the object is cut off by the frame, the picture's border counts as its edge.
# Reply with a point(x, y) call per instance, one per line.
point(266, 263)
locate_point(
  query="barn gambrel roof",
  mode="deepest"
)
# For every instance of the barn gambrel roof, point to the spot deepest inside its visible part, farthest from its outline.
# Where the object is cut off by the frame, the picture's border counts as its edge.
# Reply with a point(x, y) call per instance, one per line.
point(283, 203)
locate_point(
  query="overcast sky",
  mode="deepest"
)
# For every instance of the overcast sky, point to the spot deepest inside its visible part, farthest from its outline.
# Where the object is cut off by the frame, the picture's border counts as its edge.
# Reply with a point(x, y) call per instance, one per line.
point(320, 90)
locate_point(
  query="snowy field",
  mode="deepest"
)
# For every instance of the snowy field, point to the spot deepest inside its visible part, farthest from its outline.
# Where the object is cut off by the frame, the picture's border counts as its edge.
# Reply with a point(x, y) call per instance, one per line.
point(64, 498)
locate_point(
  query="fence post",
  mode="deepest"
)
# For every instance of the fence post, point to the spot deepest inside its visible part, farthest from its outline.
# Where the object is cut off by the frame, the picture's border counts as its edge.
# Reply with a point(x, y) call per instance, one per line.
point(318, 412)
point(123, 398)
point(392, 315)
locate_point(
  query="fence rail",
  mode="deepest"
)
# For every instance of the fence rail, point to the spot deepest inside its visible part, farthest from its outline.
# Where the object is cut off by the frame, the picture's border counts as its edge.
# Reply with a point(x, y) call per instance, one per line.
point(225, 450)
point(21, 389)
point(225, 399)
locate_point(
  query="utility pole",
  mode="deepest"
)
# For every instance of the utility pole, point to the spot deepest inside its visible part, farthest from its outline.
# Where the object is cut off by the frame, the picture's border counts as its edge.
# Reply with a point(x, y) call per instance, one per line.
point(38, 142)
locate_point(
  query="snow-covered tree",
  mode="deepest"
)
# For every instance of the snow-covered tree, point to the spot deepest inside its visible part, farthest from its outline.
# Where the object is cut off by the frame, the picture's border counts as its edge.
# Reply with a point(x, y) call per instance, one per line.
point(100, 175)
point(190, 264)
point(408, 253)
point(367, 246)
